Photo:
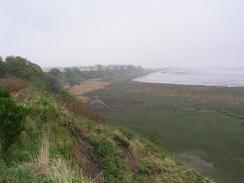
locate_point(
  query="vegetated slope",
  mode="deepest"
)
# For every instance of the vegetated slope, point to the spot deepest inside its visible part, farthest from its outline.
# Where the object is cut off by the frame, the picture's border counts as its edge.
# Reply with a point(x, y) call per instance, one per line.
point(59, 139)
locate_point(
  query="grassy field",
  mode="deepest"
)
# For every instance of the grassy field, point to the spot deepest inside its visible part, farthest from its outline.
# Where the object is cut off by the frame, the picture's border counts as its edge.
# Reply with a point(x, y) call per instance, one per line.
point(201, 125)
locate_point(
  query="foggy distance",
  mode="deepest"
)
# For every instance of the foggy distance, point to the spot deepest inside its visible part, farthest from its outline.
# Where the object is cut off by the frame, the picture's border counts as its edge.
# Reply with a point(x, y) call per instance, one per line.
point(153, 33)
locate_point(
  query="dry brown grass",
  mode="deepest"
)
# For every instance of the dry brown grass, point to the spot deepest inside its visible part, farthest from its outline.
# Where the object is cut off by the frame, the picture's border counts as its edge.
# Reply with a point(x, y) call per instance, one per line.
point(13, 85)
point(58, 169)
point(43, 156)
point(88, 86)
point(78, 108)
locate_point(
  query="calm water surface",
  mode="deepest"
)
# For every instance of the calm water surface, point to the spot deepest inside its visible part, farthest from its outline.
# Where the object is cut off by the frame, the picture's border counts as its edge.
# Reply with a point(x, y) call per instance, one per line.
point(207, 76)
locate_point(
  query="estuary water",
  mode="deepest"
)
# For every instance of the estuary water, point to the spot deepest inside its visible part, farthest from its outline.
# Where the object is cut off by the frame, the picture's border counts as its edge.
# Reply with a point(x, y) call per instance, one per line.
point(230, 77)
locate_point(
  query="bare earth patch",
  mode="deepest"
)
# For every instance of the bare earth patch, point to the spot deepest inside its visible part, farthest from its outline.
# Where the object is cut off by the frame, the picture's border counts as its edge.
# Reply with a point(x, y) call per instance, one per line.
point(87, 86)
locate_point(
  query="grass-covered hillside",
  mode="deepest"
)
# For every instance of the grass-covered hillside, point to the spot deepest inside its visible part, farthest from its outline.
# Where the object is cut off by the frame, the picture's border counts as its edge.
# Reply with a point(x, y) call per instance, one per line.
point(51, 136)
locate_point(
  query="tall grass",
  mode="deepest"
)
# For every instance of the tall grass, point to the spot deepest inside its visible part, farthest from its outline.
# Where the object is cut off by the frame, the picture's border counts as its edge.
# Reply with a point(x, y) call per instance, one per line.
point(58, 169)
point(42, 159)
point(44, 169)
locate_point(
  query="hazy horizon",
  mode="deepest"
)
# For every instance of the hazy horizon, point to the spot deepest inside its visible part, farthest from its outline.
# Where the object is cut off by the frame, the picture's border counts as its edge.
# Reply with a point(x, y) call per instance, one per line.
point(151, 33)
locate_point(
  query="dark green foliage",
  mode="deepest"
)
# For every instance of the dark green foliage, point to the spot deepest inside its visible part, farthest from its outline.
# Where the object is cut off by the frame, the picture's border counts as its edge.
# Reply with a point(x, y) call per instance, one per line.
point(2, 67)
point(54, 80)
point(4, 93)
point(71, 77)
point(74, 76)
point(22, 68)
point(129, 134)
point(56, 73)
point(11, 117)
point(53, 83)
point(65, 94)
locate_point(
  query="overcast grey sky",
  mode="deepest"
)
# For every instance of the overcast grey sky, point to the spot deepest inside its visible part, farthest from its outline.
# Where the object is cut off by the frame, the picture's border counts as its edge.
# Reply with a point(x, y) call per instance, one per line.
point(152, 33)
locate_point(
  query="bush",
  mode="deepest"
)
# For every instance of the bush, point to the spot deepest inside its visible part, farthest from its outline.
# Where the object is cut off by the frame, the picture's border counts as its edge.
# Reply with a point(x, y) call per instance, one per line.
point(53, 83)
point(11, 117)
point(22, 68)
point(56, 73)
point(64, 94)
point(4, 93)
point(2, 68)
point(71, 77)
point(45, 108)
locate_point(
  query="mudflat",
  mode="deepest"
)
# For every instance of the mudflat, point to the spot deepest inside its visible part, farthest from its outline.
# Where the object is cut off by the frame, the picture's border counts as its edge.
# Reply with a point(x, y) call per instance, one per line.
point(201, 125)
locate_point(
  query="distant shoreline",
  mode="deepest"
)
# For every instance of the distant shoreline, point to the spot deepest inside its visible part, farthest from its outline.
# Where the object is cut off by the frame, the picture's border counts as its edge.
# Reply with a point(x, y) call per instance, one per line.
point(208, 78)
point(190, 85)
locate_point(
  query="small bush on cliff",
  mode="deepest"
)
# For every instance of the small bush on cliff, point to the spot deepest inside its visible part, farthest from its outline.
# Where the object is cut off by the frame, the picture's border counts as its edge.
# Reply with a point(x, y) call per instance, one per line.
point(44, 108)
point(2, 67)
point(11, 117)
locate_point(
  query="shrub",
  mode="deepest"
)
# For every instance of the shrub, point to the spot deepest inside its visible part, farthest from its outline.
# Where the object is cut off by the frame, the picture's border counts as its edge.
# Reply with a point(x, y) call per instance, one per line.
point(22, 68)
point(45, 108)
point(4, 93)
point(71, 77)
point(56, 73)
point(11, 116)
point(129, 134)
point(2, 68)
point(53, 83)
point(64, 94)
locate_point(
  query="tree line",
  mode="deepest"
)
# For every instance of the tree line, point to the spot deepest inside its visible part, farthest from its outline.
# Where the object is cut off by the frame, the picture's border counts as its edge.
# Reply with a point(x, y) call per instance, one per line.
point(54, 79)
point(75, 75)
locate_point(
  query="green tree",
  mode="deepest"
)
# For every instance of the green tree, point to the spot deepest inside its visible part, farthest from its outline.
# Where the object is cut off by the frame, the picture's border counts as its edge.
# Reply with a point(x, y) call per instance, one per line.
point(56, 73)
point(11, 118)
point(77, 72)
point(71, 77)
point(22, 68)
point(53, 83)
